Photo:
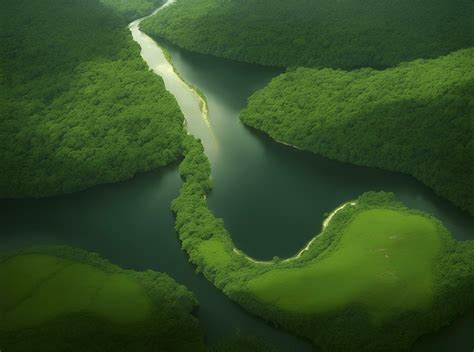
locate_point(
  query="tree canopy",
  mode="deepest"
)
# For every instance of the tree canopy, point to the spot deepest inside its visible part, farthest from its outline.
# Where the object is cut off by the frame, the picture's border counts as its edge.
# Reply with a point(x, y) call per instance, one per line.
point(79, 106)
point(317, 33)
point(415, 118)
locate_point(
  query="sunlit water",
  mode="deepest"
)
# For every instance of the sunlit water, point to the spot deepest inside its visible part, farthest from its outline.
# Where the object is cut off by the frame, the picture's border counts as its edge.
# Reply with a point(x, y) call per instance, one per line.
point(271, 197)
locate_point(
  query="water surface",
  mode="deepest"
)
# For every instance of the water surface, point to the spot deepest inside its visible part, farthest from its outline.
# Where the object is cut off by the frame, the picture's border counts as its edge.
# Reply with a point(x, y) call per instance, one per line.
point(271, 197)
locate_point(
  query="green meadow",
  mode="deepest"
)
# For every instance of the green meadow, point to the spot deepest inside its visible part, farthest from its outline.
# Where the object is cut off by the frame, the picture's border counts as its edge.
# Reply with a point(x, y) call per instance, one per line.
point(377, 263)
point(66, 299)
point(32, 283)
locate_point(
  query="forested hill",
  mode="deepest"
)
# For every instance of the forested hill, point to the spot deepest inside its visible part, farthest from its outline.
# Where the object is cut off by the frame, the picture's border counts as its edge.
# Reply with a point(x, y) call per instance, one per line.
point(132, 9)
point(78, 104)
point(416, 118)
point(318, 33)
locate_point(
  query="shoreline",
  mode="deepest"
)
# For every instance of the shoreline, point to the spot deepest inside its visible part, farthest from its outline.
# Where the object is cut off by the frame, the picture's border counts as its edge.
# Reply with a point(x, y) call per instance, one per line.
point(135, 25)
point(326, 222)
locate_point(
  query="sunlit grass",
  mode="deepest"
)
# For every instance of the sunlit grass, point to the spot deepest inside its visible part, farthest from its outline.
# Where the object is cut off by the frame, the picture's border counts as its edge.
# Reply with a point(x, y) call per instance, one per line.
point(37, 288)
point(377, 263)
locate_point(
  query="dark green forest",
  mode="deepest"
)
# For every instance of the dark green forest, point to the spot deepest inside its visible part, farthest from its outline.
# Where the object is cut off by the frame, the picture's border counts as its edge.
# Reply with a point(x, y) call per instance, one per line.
point(79, 107)
point(416, 118)
point(132, 9)
point(78, 104)
point(317, 33)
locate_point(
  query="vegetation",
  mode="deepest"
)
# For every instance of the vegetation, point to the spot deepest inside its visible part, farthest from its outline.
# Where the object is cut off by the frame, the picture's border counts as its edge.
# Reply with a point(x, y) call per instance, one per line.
point(415, 118)
point(79, 106)
point(132, 9)
point(376, 258)
point(317, 33)
point(362, 276)
point(65, 299)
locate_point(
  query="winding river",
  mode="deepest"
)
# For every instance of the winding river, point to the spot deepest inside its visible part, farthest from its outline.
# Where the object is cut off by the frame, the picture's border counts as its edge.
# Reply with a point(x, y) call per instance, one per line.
point(272, 198)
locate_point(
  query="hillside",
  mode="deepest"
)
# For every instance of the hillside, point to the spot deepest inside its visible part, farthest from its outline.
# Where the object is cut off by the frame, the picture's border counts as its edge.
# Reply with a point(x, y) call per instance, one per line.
point(416, 118)
point(78, 104)
point(317, 33)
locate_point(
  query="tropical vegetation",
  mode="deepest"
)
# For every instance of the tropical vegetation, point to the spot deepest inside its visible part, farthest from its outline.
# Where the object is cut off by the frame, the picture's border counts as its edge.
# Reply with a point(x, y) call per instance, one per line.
point(317, 33)
point(345, 287)
point(416, 118)
point(79, 106)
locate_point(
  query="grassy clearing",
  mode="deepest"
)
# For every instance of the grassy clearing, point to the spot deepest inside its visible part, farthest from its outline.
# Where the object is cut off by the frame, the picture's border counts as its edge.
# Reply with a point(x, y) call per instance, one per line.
point(215, 254)
point(31, 283)
point(383, 261)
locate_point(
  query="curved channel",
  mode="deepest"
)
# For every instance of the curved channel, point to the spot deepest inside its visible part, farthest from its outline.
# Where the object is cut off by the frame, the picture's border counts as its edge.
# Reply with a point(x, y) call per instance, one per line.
point(272, 198)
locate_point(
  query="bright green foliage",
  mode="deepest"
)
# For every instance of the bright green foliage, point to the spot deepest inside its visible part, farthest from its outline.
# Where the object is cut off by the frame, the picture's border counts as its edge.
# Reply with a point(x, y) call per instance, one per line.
point(317, 33)
point(59, 299)
point(416, 118)
point(78, 104)
point(203, 235)
point(363, 276)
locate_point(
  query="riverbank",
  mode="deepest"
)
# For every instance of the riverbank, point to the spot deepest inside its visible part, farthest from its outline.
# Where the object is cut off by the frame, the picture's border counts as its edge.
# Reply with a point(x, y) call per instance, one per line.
point(374, 244)
point(73, 93)
point(306, 248)
point(164, 70)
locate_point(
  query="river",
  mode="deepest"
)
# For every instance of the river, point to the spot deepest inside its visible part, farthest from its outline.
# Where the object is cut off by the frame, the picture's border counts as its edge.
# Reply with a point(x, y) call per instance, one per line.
point(271, 197)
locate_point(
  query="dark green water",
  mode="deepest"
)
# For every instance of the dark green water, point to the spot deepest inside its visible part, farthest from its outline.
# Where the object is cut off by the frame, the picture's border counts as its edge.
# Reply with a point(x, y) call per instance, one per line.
point(271, 197)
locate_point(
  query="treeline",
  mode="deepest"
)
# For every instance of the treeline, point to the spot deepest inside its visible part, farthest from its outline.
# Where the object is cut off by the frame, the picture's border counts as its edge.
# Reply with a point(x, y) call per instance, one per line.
point(79, 106)
point(317, 33)
point(132, 9)
point(169, 326)
point(210, 248)
point(416, 118)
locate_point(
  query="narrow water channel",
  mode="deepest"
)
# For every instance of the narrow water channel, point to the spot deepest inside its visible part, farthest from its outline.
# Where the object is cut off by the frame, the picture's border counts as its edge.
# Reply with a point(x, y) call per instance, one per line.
point(271, 197)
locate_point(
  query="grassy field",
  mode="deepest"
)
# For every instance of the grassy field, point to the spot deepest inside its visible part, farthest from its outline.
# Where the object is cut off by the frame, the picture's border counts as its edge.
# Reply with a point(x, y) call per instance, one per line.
point(61, 298)
point(383, 261)
point(215, 253)
point(31, 282)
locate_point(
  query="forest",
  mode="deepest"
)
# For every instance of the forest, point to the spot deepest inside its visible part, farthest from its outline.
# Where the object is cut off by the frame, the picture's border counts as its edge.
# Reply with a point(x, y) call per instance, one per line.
point(79, 106)
point(317, 33)
point(415, 118)
point(347, 326)
point(132, 9)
